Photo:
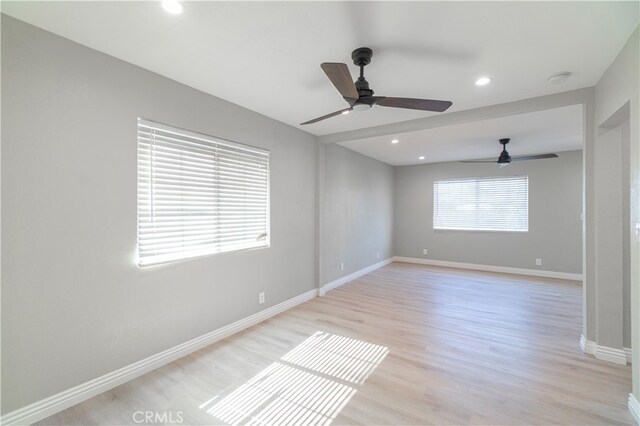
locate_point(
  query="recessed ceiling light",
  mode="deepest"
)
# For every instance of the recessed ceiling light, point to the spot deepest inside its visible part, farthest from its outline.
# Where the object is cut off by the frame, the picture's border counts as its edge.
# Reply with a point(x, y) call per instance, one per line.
point(395, 141)
point(346, 112)
point(482, 81)
point(421, 157)
point(172, 6)
point(558, 78)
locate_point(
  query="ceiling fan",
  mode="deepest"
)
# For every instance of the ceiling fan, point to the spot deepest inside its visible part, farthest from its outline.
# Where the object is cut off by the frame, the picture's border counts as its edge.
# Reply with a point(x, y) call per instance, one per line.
point(505, 159)
point(360, 96)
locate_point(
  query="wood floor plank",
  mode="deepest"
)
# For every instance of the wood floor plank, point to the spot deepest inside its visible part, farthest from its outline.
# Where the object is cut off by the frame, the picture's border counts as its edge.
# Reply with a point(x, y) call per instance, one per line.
point(436, 345)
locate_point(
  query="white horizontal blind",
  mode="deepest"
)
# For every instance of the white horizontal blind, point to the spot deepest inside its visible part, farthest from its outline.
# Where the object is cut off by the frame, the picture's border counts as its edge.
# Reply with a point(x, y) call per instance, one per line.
point(483, 204)
point(198, 195)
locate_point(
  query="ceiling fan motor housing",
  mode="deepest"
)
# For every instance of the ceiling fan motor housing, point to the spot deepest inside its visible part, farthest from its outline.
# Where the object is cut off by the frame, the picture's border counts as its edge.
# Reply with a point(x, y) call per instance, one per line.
point(362, 86)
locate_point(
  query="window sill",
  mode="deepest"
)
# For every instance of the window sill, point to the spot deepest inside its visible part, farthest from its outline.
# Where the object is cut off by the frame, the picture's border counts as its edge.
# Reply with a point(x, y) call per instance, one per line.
point(480, 231)
point(151, 263)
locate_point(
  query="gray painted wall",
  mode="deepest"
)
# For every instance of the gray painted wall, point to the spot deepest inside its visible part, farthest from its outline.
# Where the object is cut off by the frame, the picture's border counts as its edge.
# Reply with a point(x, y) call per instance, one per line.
point(555, 204)
point(356, 212)
point(609, 237)
point(625, 134)
point(74, 303)
point(617, 99)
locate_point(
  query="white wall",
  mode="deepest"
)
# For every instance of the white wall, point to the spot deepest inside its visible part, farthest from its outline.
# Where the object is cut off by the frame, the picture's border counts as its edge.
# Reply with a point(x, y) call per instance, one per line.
point(356, 212)
point(555, 228)
point(74, 303)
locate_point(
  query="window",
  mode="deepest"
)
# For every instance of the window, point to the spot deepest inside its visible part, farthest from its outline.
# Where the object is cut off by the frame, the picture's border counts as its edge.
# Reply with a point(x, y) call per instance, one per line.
point(482, 204)
point(198, 195)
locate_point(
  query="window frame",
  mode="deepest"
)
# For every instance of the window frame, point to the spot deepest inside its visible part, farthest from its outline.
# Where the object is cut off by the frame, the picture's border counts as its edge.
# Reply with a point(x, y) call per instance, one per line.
point(208, 139)
point(480, 230)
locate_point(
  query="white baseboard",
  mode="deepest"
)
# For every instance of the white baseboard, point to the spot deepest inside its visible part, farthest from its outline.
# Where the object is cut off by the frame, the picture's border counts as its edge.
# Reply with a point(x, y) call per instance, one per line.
point(42, 409)
point(634, 407)
point(352, 276)
point(491, 268)
point(605, 353)
point(588, 346)
point(612, 355)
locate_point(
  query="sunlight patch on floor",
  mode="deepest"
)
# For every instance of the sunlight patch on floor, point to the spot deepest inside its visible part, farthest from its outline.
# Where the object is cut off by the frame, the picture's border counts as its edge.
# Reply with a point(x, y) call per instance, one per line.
point(309, 385)
point(337, 356)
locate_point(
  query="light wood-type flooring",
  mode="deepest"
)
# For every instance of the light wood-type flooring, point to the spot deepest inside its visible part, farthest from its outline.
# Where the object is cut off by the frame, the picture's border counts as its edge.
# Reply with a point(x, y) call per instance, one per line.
point(406, 344)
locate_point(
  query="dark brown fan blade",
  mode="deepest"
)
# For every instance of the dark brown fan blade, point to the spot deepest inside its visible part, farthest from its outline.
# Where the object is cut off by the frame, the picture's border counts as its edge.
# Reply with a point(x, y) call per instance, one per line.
point(479, 161)
point(534, 157)
point(341, 78)
point(324, 117)
point(410, 103)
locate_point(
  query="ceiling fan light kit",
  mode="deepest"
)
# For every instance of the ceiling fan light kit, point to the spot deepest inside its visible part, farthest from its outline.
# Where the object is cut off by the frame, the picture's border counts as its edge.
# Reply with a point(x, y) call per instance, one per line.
point(359, 94)
point(505, 159)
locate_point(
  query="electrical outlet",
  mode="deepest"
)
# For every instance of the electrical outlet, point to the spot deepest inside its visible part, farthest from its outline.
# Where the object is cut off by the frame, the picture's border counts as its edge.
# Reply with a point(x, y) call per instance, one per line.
point(341, 266)
point(538, 262)
point(261, 298)
point(377, 255)
point(424, 251)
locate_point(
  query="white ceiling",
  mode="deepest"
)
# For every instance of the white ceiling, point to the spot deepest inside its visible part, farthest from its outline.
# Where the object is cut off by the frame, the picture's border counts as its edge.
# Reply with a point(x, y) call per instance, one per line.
point(266, 56)
point(541, 132)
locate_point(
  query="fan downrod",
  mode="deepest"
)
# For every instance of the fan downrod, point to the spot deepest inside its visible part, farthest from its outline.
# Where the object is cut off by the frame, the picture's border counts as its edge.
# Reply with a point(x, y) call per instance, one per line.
point(362, 57)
